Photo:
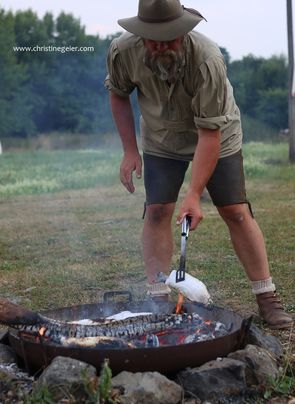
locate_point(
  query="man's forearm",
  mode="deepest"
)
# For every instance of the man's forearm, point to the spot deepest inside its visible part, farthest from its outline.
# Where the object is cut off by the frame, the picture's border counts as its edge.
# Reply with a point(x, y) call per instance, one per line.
point(205, 159)
point(123, 117)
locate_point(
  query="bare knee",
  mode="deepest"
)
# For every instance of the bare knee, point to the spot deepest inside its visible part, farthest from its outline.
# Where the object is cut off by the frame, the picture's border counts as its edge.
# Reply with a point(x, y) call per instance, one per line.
point(235, 214)
point(159, 213)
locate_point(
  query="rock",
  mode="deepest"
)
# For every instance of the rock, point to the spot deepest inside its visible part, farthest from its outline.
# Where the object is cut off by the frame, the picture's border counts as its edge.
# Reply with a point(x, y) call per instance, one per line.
point(7, 355)
point(147, 388)
point(260, 364)
point(4, 336)
point(282, 400)
point(65, 376)
point(223, 377)
point(6, 383)
point(257, 337)
point(14, 384)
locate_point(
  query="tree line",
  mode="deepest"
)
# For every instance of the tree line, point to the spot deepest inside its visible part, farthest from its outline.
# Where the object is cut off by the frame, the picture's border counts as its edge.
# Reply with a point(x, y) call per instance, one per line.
point(63, 91)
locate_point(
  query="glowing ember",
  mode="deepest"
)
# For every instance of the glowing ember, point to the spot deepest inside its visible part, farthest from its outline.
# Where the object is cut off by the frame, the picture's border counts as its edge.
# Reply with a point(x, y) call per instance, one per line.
point(149, 331)
point(42, 331)
point(198, 330)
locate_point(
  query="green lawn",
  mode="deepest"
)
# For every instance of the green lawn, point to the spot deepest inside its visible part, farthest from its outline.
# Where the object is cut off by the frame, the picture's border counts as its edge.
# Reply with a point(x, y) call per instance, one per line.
point(69, 231)
point(41, 172)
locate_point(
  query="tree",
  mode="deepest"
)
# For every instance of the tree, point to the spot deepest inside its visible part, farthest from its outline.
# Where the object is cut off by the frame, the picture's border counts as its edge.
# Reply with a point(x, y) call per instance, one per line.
point(260, 87)
point(15, 103)
point(47, 91)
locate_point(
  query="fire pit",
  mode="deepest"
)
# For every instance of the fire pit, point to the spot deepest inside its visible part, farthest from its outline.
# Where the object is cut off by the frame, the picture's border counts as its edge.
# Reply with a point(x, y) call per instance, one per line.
point(171, 356)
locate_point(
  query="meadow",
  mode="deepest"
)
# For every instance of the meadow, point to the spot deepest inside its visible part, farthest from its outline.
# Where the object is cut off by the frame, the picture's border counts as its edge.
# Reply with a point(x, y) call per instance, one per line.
point(66, 220)
point(69, 231)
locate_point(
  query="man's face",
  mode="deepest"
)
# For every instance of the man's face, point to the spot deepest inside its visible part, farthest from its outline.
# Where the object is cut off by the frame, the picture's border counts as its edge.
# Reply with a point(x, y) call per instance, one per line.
point(164, 58)
point(161, 46)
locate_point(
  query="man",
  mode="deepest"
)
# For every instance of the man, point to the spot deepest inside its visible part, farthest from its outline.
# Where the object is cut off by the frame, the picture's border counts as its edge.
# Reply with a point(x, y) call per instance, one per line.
point(188, 113)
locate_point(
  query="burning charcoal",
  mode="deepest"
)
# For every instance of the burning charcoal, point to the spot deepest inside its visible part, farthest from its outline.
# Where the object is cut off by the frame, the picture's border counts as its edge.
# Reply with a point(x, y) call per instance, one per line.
point(189, 339)
point(205, 337)
point(96, 342)
point(152, 341)
point(197, 319)
point(149, 330)
point(221, 329)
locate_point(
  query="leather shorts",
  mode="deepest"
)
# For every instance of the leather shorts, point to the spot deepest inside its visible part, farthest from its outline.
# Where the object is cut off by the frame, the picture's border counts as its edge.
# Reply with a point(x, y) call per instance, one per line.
point(163, 178)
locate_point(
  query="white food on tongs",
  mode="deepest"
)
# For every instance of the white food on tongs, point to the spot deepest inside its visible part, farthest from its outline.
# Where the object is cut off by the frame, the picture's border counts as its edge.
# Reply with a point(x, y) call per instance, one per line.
point(192, 288)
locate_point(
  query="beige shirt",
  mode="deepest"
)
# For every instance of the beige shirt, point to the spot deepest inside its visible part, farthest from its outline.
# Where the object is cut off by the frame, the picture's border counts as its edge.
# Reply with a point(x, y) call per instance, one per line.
point(172, 114)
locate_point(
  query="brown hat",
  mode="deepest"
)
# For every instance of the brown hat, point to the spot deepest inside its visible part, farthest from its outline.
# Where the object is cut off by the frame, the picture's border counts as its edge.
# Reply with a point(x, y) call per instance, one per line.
point(161, 20)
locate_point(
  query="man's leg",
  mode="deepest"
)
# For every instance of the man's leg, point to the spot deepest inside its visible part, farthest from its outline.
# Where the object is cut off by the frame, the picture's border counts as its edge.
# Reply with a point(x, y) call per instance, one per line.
point(247, 240)
point(157, 239)
point(249, 245)
point(163, 178)
point(227, 190)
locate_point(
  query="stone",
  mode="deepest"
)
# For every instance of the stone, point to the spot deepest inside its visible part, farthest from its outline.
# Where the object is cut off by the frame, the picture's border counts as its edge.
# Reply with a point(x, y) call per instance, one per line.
point(282, 400)
point(65, 376)
point(147, 388)
point(257, 337)
point(260, 364)
point(7, 355)
point(15, 385)
point(7, 383)
point(224, 377)
point(4, 336)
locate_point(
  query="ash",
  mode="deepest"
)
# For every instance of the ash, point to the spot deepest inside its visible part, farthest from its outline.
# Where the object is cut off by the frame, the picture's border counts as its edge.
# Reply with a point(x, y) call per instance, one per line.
point(15, 385)
point(177, 333)
point(14, 370)
point(199, 330)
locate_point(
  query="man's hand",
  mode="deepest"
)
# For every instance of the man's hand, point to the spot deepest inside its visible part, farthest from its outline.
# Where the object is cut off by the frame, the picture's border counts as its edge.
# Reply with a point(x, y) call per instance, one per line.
point(191, 207)
point(131, 162)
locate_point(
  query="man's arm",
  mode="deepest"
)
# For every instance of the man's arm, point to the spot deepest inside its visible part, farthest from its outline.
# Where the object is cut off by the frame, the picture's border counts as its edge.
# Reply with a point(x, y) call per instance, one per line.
point(204, 162)
point(123, 117)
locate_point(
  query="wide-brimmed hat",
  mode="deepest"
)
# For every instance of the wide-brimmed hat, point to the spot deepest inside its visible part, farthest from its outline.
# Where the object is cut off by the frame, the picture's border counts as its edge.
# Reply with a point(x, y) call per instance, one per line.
point(161, 20)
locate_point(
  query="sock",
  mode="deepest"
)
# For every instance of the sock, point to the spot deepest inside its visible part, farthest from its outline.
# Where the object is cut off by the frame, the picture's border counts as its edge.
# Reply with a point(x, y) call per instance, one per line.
point(159, 288)
point(266, 285)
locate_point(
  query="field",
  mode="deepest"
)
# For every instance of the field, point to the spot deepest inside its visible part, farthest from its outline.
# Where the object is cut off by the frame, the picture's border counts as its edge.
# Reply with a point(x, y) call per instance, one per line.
point(69, 231)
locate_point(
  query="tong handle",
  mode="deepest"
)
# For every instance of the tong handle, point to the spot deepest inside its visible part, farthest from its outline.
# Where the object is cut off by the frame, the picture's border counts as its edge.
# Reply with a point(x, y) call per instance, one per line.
point(184, 236)
point(180, 273)
point(185, 227)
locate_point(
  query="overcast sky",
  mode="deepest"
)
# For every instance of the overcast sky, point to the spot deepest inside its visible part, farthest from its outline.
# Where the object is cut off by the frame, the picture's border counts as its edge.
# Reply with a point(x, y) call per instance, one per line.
point(241, 26)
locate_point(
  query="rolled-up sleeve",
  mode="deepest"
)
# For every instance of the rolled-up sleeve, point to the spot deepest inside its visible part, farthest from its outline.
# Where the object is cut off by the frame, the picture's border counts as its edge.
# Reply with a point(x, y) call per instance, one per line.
point(209, 103)
point(117, 79)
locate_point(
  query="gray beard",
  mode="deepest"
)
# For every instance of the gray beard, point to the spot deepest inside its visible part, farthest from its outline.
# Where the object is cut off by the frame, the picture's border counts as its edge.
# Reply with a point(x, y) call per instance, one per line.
point(167, 66)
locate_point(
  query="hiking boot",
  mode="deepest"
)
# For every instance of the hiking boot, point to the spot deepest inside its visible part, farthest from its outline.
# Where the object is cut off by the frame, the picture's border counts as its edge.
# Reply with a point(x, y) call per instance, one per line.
point(158, 291)
point(272, 311)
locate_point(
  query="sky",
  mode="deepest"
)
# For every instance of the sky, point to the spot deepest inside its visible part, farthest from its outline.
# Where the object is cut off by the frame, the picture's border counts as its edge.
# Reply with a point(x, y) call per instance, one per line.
point(257, 27)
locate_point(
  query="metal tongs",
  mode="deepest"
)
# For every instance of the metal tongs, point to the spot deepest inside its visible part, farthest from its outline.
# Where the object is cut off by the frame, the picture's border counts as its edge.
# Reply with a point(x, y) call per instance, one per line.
point(180, 273)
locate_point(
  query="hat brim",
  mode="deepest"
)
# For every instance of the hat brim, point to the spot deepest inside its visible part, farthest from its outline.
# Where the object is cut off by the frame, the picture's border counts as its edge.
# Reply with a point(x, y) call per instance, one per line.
point(163, 31)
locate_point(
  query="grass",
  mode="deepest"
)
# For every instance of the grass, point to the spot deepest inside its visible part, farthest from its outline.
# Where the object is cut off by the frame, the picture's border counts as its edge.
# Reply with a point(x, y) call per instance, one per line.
point(70, 231)
point(42, 172)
